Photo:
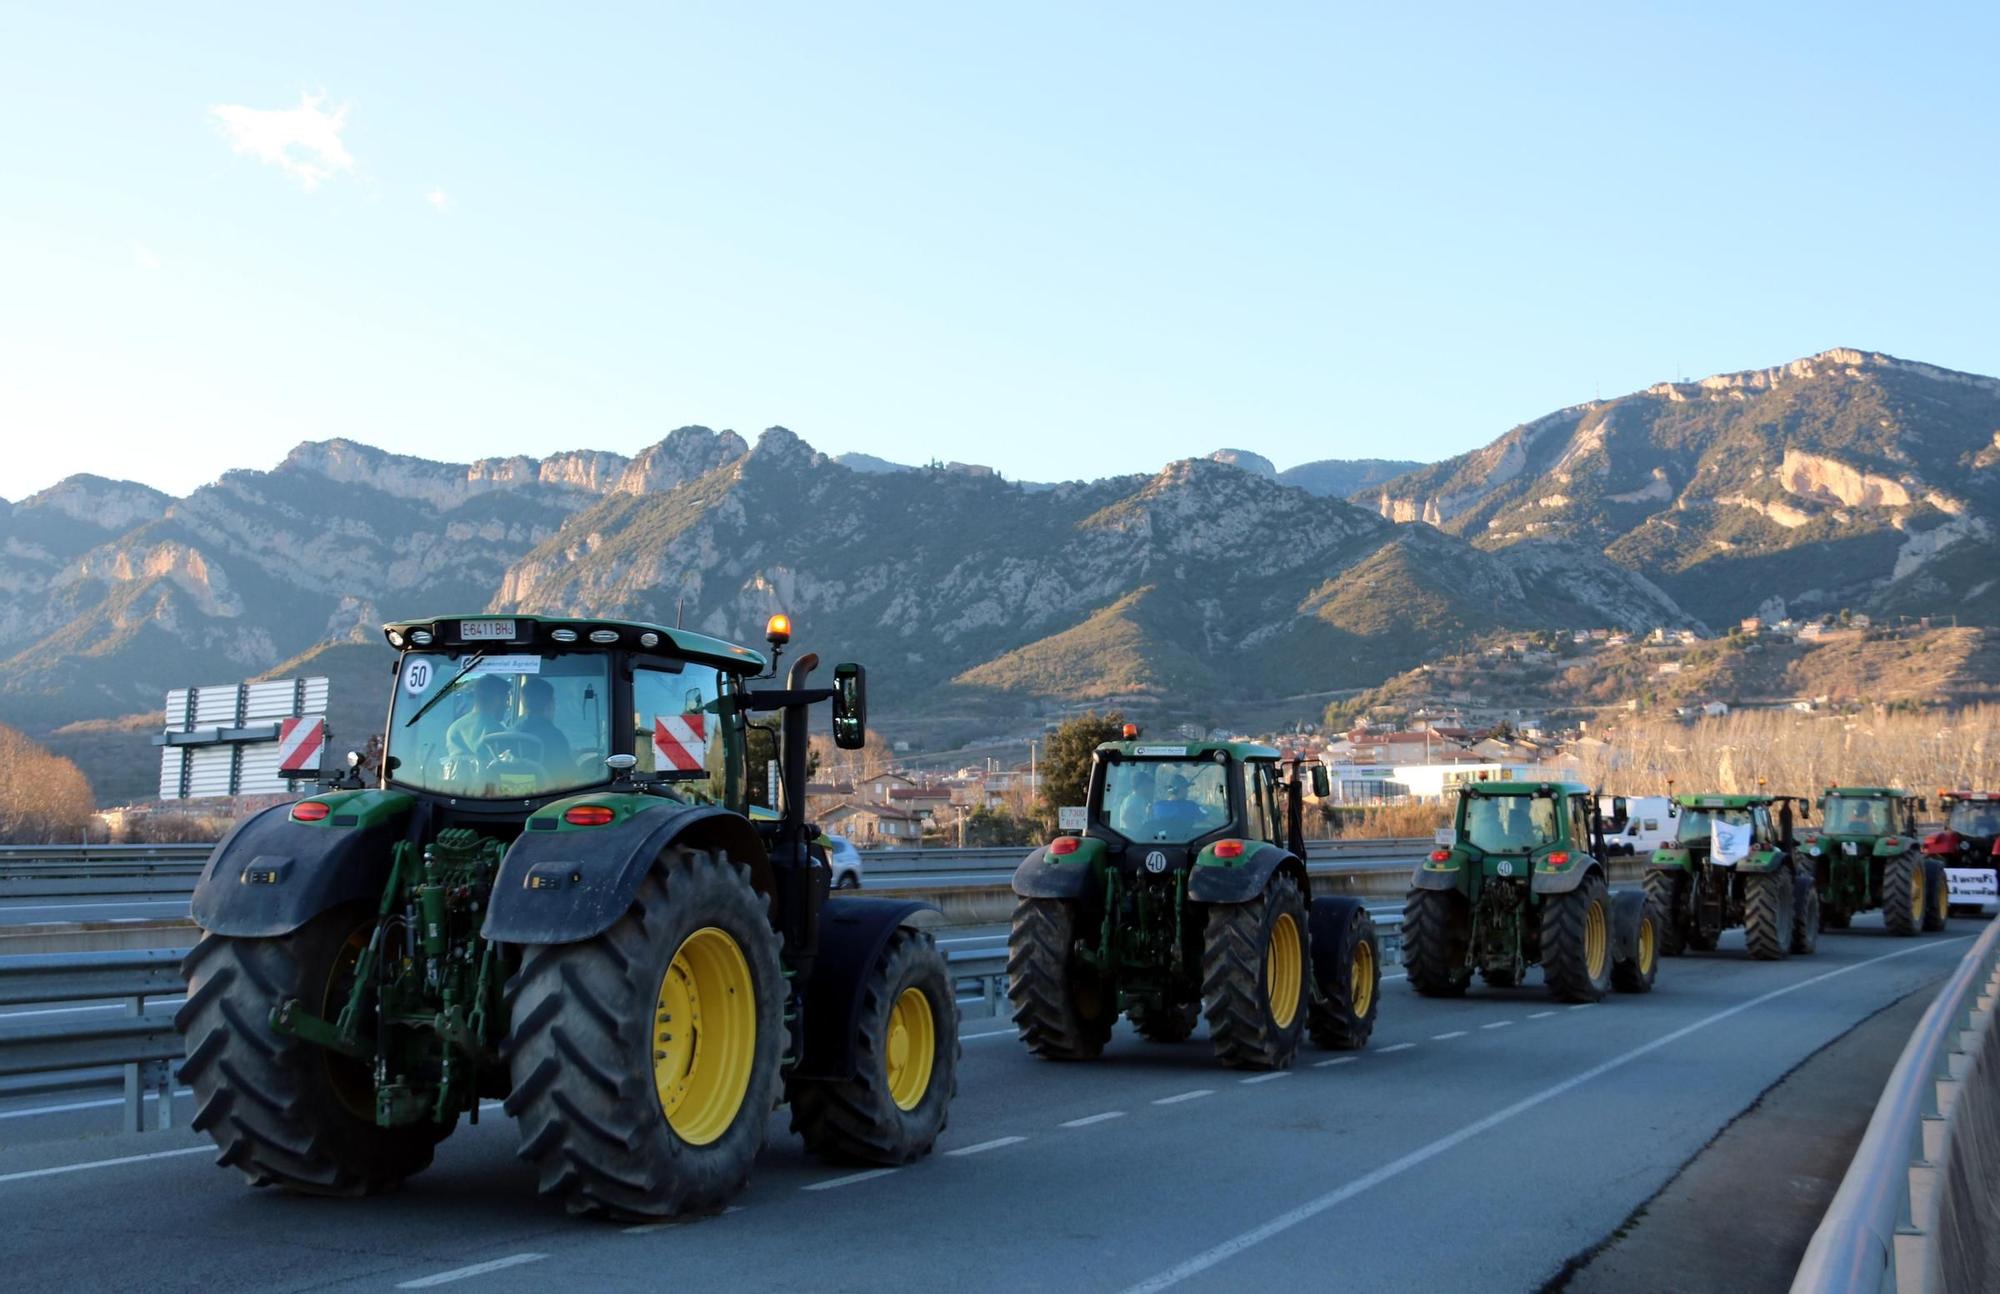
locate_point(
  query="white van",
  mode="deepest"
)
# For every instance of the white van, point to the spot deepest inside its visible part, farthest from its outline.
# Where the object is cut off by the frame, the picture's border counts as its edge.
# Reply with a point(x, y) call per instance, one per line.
point(1646, 825)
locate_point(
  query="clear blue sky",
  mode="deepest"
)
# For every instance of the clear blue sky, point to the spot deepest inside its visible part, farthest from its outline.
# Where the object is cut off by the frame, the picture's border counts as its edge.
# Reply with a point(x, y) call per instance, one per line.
point(1065, 240)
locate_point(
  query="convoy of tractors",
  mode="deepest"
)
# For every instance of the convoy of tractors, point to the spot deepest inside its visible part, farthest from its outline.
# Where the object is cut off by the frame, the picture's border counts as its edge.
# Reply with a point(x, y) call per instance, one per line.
point(591, 920)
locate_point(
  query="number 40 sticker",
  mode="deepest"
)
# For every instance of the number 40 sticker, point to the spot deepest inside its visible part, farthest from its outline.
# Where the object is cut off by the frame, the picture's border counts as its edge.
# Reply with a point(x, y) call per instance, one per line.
point(416, 676)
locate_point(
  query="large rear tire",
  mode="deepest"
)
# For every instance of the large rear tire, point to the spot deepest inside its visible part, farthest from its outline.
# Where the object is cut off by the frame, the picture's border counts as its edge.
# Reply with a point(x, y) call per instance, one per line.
point(287, 1113)
point(645, 1060)
point(1063, 1009)
point(893, 1108)
point(1768, 900)
point(1576, 942)
point(1664, 891)
point(1937, 892)
point(1343, 1014)
point(1903, 900)
point(1805, 916)
point(1436, 932)
point(1256, 962)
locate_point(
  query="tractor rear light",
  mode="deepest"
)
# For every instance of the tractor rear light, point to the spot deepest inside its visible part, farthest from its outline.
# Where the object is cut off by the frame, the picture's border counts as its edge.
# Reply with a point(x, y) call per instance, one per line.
point(1229, 849)
point(1064, 846)
point(1892, 841)
point(589, 815)
point(1440, 855)
point(563, 635)
point(309, 811)
point(1560, 858)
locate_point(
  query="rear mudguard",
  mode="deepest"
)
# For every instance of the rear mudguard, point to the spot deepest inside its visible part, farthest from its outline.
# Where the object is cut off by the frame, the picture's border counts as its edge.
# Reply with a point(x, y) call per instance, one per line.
point(1432, 875)
point(1240, 879)
point(1043, 875)
point(1330, 921)
point(271, 875)
point(559, 886)
point(852, 936)
point(1670, 860)
point(1552, 881)
point(1627, 908)
point(1761, 863)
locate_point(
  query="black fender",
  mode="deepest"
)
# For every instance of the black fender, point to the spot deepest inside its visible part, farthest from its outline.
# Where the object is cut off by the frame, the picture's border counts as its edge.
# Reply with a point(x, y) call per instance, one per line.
point(1628, 907)
point(1567, 879)
point(271, 875)
point(1042, 875)
point(852, 934)
point(1431, 878)
point(1243, 881)
point(1329, 922)
point(559, 887)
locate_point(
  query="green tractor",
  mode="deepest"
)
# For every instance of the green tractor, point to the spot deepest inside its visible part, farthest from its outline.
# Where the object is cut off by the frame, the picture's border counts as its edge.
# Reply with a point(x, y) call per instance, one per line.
point(557, 894)
point(1867, 854)
point(1185, 896)
point(1734, 861)
point(1524, 882)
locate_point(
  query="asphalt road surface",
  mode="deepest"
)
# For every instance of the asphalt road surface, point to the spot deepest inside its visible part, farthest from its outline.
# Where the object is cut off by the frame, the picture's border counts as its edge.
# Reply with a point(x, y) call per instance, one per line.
point(1476, 1145)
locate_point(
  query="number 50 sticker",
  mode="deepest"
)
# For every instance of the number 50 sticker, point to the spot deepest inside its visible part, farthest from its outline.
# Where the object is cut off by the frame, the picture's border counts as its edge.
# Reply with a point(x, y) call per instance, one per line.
point(417, 676)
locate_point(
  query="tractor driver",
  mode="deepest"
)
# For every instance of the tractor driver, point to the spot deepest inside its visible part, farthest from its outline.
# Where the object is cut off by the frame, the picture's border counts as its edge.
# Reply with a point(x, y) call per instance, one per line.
point(466, 738)
point(538, 700)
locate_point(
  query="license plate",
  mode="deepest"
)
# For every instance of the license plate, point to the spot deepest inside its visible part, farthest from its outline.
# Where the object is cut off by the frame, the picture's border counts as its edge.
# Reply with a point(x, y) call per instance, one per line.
point(475, 631)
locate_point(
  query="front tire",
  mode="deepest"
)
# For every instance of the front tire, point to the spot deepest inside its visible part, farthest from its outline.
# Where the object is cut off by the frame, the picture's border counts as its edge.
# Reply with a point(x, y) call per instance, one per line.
point(1255, 963)
point(645, 1059)
point(1938, 891)
point(893, 1108)
point(283, 1112)
point(1768, 902)
point(1663, 894)
point(1342, 1016)
point(1903, 903)
point(1576, 942)
point(1436, 935)
point(1063, 1009)
point(1805, 916)
point(1637, 973)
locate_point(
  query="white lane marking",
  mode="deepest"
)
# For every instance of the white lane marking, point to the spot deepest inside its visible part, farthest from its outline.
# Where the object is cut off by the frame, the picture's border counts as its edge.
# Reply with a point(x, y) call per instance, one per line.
point(1195, 1095)
point(1447, 1037)
point(1089, 1119)
point(848, 1180)
point(1541, 1015)
point(1497, 1024)
point(1581, 1006)
point(985, 1146)
point(647, 1228)
point(997, 1033)
point(84, 1105)
point(1337, 1060)
point(104, 1163)
point(1387, 978)
point(1208, 1258)
point(465, 1273)
point(79, 1010)
point(1401, 1046)
point(1265, 1078)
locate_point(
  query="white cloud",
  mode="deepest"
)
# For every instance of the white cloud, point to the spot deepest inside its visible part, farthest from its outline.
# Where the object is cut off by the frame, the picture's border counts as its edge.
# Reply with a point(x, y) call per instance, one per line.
point(145, 257)
point(304, 142)
point(438, 198)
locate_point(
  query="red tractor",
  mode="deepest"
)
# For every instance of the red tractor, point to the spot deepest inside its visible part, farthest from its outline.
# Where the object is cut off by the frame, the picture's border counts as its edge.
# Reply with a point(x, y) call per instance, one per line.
point(1969, 848)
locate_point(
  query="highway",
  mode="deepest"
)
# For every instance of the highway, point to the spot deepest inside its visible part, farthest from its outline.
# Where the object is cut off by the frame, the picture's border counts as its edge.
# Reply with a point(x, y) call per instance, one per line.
point(1540, 1127)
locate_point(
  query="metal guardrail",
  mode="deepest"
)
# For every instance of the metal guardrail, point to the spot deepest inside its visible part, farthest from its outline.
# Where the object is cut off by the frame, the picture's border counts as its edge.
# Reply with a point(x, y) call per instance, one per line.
point(143, 1043)
point(1882, 1232)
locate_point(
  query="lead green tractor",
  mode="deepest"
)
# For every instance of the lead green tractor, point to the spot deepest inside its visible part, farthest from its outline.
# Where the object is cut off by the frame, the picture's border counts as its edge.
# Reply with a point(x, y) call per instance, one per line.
point(1185, 896)
point(1734, 861)
point(556, 894)
point(1868, 854)
point(1524, 881)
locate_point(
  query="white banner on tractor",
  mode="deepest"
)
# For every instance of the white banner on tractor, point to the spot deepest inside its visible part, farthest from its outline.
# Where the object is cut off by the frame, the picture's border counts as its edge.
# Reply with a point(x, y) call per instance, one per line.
point(680, 742)
point(1728, 843)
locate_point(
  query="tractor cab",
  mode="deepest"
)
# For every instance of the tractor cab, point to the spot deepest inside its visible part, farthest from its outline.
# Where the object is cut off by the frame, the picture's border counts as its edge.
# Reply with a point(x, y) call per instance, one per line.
point(1969, 848)
point(1541, 821)
point(1857, 820)
point(1739, 824)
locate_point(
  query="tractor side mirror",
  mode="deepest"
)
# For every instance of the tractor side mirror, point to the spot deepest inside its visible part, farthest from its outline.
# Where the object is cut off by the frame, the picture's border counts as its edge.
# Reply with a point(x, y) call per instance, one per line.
point(850, 706)
point(1322, 784)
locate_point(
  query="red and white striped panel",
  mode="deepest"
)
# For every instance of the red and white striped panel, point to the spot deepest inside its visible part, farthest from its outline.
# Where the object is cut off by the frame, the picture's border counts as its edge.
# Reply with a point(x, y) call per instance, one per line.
point(299, 742)
point(680, 742)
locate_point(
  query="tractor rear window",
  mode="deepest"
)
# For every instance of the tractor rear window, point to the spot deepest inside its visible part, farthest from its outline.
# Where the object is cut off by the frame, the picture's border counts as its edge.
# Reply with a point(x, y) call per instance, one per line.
point(1697, 824)
point(1510, 824)
point(1858, 816)
point(684, 730)
point(1171, 801)
point(500, 725)
point(1975, 818)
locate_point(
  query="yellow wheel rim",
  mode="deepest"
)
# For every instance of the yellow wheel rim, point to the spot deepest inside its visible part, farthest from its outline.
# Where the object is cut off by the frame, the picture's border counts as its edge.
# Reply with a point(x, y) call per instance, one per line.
point(1284, 970)
point(704, 1036)
point(1594, 941)
point(1917, 890)
point(1646, 949)
point(1361, 978)
point(912, 1048)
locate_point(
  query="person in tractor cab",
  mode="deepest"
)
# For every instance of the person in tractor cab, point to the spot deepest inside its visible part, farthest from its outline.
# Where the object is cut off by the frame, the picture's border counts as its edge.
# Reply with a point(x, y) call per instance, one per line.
point(538, 700)
point(1175, 811)
point(467, 736)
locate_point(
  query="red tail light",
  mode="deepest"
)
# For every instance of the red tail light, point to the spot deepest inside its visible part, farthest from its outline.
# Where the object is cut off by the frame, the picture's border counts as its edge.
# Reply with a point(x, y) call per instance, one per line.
point(589, 815)
point(1557, 859)
point(1440, 855)
point(1229, 849)
point(1063, 846)
point(309, 811)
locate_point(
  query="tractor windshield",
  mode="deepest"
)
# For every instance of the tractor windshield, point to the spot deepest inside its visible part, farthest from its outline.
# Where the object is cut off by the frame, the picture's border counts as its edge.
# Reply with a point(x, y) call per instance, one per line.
point(1509, 824)
point(1975, 818)
point(1171, 801)
point(510, 727)
point(1859, 816)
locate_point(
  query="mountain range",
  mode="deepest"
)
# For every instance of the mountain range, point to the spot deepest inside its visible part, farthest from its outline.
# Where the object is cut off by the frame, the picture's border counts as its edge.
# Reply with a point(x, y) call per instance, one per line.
point(1846, 479)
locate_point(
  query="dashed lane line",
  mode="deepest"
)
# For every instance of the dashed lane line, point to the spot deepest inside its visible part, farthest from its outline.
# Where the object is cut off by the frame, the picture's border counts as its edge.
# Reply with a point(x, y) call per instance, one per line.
point(104, 1163)
point(1447, 1037)
point(1497, 1024)
point(1312, 1208)
point(985, 1146)
point(1265, 1078)
point(1195, 1095)
point(1401, 1046)
point(848, 1180)
point(1541, 1015)
point(467, 1273)
point(1337, 1060)
point(1089, 1119)
point(1583, 1006)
